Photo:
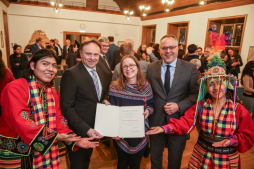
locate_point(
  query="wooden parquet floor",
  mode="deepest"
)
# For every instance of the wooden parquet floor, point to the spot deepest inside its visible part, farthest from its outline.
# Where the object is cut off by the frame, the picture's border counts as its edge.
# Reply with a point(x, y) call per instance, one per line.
point(101, 157)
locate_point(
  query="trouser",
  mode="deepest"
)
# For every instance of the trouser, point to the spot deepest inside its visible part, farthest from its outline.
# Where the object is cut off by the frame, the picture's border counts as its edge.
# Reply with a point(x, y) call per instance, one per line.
point(248, 103)
point(80, 159)
point(131, 160)
point(176, 146)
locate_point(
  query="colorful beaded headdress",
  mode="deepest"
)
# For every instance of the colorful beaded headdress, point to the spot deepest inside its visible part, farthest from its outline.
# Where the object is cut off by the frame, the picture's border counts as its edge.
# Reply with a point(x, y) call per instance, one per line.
point(216, 71)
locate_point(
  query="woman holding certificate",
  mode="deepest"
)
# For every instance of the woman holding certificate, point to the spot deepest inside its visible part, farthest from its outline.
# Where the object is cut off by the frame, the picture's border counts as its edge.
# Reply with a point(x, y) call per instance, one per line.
point(131, 89)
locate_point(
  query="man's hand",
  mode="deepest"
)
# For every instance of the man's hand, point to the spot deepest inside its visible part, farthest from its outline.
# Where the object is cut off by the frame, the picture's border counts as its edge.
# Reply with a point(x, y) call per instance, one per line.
point(106, 102)
point(223, 143)
point(146, 113)
point(149, 50)
point(155, 130)
point(93, 133)
point(68, 137)
point(171, 108)
point(86, 143)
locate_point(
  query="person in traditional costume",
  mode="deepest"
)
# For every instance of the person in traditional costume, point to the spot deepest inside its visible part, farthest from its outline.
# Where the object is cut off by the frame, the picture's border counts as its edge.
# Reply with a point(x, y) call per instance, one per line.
point(31, 120)
point(225, 127)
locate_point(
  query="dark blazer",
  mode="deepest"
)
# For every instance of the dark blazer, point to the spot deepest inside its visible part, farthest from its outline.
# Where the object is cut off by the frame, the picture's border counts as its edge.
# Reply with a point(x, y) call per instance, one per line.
point(106, 70)
point(58, 46)
point(72, 60)
point(183, 91)
point(117, 58)
point(111, 49)
point(79, 98)
point(64, 52)
point(18, 69)
point(34, 48)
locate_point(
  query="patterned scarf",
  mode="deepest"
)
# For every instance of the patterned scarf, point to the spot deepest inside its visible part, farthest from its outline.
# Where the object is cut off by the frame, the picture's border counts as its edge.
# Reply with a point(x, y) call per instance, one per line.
point(50, 160)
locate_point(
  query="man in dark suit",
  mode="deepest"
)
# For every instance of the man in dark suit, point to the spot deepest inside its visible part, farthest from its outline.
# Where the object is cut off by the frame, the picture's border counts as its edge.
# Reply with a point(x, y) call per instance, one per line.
point(36, 46)
point(103, 61)
point(175, 89)
point(111, 49)
point(117, 56)
point(200, 53)
point(82, 87)
point(59, 51)
point(192, 55)
point(65, 48)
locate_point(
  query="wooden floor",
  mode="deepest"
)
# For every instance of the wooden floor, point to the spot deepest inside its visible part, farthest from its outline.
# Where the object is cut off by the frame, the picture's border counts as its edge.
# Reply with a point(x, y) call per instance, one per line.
point(101, 157)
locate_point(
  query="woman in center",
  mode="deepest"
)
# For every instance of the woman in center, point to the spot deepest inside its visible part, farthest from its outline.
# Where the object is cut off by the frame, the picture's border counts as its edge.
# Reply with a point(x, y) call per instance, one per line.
point(131, 89)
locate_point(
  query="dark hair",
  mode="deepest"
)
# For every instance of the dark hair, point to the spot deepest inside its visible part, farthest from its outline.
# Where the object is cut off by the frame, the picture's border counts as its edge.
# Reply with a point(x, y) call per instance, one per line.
point(192, 48)
point(2, 67)
point(111, 38)
point(70, 50)
point(88, 41)
point(52, 40)
point(180, 54)
point(15, 47)
point(38, 39)
point(248, 70)
point(156, 47)
point(126, 48)
point(49, 47)
point(199, 48)
point(38, 55)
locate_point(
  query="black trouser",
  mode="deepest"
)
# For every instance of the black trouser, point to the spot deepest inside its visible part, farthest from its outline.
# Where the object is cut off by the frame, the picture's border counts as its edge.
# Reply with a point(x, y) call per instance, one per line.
point(176, 146)
point(131, 160)
point(80, 159)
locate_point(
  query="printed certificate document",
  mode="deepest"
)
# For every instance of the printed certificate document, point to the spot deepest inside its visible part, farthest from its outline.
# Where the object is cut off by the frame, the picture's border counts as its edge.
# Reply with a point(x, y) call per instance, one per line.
point(125, 122)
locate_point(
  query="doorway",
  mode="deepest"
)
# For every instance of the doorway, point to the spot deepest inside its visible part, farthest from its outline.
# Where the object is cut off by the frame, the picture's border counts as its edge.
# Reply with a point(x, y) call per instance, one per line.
point(6, 35)
point(148, 35)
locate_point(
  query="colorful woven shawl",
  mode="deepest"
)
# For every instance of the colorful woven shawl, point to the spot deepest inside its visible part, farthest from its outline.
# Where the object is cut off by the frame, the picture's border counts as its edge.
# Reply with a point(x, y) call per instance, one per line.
point(50, 159)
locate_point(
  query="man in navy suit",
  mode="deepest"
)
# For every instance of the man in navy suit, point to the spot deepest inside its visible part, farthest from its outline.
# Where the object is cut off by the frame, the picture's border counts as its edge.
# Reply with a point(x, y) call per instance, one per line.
point(111, 49)
point(36, 46)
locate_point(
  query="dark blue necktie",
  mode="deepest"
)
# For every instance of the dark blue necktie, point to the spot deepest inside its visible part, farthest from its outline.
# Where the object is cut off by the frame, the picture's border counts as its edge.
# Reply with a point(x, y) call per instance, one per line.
point(167, 80)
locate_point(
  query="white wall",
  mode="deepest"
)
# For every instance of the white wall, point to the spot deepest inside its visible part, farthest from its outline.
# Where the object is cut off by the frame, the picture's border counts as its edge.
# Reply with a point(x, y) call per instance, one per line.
point(3, 7)
point(25, 19)
point(198, 25)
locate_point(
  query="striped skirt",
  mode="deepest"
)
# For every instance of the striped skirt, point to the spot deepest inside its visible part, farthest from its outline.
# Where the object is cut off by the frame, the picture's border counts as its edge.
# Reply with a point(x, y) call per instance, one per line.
point(202, 159)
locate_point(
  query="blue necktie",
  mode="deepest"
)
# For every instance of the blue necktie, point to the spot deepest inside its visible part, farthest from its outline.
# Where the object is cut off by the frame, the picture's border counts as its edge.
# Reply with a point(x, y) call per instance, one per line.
point(167, 80)
point(96, 84)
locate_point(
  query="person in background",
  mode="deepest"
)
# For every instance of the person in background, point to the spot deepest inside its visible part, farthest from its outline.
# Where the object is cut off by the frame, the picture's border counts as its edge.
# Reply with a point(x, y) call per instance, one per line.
point(37, 45)
point(18, 61)
point(197, 63)
point(52, 44)
point(5, 76)
point(180, 54)
point(227, 61)
point(131, 89)
point(236, 61)
point(71, 59)
point(206, 55)
point(200, 53)
point(142, 49)
point(31, 120)
point(156, 51)
point(59, 50)
point(111, 49)
point(247, 80)
point(65, 49)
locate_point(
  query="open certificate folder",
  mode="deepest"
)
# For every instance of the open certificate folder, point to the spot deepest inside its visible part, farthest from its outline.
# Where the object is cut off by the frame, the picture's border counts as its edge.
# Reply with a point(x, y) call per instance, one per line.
point(125, 122)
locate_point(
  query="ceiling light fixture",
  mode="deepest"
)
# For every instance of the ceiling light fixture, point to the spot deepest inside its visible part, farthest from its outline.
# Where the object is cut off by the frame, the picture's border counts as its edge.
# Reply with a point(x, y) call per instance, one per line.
point(128, 13)
point(56, 5)
point(167, 5)
point(144, 9)
point(202, 2)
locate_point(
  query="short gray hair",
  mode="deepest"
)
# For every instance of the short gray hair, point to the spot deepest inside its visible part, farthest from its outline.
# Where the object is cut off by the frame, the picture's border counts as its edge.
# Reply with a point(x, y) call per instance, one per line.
point(169, 36)
point(196, 62)
point(103, 39)
point(130, 39)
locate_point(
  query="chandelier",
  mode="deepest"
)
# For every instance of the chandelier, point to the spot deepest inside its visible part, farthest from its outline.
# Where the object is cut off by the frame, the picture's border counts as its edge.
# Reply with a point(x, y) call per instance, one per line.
point(56, 5)
point(202, 2)
point(128, 13)
point(144, 9)
point(167, 5)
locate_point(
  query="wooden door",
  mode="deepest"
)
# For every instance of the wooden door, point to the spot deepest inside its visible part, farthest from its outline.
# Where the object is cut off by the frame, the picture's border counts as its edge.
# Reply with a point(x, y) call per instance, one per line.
point(6, 35)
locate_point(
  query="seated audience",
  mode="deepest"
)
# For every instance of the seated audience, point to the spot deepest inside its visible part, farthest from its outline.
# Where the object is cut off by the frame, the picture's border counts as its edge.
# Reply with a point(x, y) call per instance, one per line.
point(5, 76)
point(247, 80)
point(71, 58)
point(31, 120)
point(18, 61)
point(131, 89)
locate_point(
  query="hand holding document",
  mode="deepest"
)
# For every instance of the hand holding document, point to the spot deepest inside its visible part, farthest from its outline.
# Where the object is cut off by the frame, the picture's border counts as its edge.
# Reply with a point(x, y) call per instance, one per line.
point(125, 122)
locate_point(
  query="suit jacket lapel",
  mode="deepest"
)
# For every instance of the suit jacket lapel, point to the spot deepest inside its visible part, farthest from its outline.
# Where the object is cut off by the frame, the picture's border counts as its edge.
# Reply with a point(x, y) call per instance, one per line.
point(104, 62)
point(158, 70)
point(100, 74)
point(88, 77)
point(176, 75)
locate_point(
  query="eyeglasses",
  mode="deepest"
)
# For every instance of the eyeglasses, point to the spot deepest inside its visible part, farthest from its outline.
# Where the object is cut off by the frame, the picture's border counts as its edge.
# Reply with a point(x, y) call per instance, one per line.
point(164, 48)
point(105, 46)
point(130, 66)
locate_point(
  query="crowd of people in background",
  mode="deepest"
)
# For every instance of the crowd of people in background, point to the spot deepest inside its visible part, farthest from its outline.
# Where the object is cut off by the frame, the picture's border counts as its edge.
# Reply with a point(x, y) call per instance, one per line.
point(162, 77)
